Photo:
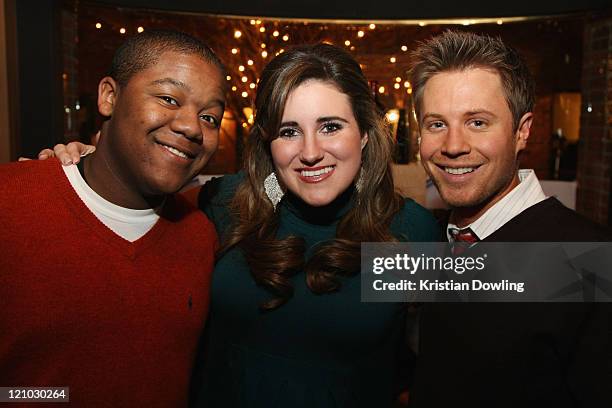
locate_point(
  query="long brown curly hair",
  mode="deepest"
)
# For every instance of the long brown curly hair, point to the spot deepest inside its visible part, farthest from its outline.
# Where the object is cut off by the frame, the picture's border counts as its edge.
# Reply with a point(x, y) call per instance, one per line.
point(273, 261)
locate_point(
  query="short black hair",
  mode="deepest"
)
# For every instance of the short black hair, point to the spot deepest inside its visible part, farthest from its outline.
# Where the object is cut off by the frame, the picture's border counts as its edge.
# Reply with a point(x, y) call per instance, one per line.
point(143, 50)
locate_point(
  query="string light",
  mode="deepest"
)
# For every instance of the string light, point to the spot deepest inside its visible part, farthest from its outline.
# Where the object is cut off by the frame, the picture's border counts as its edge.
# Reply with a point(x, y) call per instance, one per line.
point(252, 22)
point(262, 29)
point(396, 85)
point(422, 24)
point(372, 26)
point(407, 84)
point(244, 79)
point(347, 43)
point(264, 54)
point(228, 78)
point(409, 91)
point(392, 60)
point(500, 22)
point(250, 62)
point(241, 68)
point(234, 51)
point(263, 45)
point(245, 94)
point(404, 48)
point(360, 34)
point(237, 34)
point(275, 33)
point(392, 115)
point(122, 30)
point(281, 51)
point(244, 125)
point(285, 37)
point(98, 26)
point(398, 79)
point(381, 90)
point(258, 22)
point(234, 88)
point(252, 85)
point(140, 29)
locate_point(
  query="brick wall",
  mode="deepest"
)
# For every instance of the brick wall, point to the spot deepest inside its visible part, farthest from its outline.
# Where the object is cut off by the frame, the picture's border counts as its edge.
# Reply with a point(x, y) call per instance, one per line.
point(595, 148)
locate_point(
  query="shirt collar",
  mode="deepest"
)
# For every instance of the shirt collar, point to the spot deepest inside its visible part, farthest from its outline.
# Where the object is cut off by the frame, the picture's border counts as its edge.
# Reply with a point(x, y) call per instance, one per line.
point(526, 194)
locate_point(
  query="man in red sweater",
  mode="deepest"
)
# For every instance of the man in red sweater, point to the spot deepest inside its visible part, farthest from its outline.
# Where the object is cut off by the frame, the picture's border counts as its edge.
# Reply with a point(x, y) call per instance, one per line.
point(104, 274)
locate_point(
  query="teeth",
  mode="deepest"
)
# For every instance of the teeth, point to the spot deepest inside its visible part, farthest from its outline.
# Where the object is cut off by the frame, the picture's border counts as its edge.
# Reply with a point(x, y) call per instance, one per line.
point(314, 173)
point(461, 170)
point(176, 152)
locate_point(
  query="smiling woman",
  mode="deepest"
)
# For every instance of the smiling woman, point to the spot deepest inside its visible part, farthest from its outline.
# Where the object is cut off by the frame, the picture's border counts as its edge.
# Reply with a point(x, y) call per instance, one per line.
point(287, 325)
point(318, 152)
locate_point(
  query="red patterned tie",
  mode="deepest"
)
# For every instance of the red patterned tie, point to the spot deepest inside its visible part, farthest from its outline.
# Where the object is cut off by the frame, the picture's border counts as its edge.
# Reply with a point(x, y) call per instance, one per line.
point(463, 238)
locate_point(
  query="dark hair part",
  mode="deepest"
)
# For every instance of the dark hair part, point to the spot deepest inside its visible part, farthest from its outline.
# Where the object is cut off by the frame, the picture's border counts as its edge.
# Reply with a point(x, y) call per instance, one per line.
point(459, 50)
point(273, 261)
point(143, 50)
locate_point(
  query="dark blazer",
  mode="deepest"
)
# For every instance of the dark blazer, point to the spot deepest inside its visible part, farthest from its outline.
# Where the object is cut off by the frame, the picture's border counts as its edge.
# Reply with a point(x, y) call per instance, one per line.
point(519, 354)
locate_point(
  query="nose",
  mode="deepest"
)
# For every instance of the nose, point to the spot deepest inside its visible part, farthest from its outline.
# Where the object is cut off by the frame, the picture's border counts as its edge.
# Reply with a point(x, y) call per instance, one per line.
point(312, 151)
point(186, 122)
point(455, 143)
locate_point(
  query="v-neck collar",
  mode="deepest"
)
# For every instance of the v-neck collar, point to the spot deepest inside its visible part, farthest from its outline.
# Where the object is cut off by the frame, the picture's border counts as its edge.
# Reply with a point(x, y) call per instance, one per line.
point(126, 248)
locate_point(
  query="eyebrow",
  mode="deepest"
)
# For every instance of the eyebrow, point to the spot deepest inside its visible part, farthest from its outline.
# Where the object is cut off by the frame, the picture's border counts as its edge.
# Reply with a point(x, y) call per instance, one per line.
point(322, 119)
point(466, 114)
point(431, 115)
point(170, 81)
point(478, 112)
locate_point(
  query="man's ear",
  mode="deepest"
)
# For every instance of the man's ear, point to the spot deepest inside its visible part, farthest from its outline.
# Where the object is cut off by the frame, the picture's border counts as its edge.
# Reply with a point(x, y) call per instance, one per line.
point(522, 133)
point(107, 96)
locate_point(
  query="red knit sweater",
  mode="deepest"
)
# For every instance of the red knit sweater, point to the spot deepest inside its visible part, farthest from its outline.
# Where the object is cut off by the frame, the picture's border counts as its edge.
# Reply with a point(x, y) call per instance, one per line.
point(115, 321)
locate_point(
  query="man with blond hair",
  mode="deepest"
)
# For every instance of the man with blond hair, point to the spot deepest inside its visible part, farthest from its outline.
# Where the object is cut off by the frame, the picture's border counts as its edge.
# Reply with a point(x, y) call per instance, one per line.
point(474, 100)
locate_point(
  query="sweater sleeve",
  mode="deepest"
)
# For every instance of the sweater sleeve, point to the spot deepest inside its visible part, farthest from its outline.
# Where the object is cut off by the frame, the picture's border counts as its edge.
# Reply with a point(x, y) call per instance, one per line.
point(215, 197)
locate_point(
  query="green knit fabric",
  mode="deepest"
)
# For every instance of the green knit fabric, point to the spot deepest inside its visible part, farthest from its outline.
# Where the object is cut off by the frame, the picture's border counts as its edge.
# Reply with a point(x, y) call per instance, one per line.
point(327, 350)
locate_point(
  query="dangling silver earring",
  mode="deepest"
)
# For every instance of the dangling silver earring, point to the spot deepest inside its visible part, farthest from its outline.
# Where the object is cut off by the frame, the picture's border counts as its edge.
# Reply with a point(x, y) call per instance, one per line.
point(273, 190)
point(359, 182)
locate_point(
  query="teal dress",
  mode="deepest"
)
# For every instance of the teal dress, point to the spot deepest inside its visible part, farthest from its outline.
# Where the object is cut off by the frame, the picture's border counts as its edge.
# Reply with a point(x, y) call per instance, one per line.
point(320, 351)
